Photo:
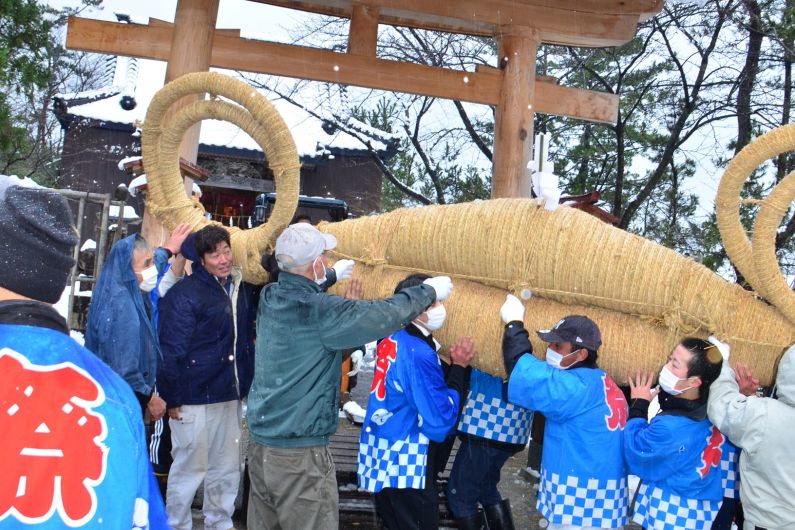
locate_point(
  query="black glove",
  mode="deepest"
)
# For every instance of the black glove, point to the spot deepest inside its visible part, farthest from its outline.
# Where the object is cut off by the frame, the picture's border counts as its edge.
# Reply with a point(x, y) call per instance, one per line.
point(515, 343)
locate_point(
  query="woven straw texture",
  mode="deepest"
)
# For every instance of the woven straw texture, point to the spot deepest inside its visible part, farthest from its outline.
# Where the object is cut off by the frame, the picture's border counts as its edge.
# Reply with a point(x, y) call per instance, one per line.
point(574, 260)
point(643, 296)
point(629, 342)
point(756, 260)
point(250, 111)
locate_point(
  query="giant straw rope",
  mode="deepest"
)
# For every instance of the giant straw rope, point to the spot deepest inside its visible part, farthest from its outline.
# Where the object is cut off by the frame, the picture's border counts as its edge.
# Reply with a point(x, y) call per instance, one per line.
point(643, 296)
point(249, 110)
point(756, 260)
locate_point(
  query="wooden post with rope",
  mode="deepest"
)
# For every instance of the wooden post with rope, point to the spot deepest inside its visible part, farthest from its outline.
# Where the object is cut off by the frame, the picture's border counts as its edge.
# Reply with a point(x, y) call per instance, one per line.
point(191, 48)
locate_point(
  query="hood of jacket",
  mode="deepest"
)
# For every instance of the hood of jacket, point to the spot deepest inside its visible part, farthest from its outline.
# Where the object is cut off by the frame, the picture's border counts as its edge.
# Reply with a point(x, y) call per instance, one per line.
point(117, 298)
point(785, 380)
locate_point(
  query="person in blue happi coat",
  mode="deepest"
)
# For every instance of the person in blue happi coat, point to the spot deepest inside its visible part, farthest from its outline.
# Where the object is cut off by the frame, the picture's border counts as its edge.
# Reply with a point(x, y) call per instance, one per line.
point(491, 430)
point(73, 449)
point(677, 454)
point(411, 406)
point(583, 480)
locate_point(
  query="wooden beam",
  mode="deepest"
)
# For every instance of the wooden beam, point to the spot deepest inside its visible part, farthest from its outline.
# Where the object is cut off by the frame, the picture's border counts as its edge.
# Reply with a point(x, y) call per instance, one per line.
point(513, 123)
point(231, 52)
point(189, 50)
point(566, 22)
point(363, 33)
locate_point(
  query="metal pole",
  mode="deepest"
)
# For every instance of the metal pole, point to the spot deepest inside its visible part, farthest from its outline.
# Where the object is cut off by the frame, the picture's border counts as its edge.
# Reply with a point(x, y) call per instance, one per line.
point(120, 233)
point(75, 254)
point(103, 236)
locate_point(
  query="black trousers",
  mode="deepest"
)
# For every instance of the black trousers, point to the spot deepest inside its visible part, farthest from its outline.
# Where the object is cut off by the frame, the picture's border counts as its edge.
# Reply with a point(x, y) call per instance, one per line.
point(409, 509)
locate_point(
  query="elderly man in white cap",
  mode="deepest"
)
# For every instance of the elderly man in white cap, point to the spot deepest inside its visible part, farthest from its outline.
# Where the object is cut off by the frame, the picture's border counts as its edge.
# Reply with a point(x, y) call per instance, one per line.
point(292, 406)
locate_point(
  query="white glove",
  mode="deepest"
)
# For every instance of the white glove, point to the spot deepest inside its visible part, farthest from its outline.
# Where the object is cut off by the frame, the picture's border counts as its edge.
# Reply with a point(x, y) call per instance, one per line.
point(443, 286)
point(356, 360)
point(512, 309)
point(343, 268)
point(723, 347)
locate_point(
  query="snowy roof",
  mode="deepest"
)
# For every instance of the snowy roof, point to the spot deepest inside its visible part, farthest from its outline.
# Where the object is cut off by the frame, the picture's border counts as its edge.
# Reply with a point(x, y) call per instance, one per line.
point(310, 138)
point(140, 182)
point(129, 213)
point(25, 182)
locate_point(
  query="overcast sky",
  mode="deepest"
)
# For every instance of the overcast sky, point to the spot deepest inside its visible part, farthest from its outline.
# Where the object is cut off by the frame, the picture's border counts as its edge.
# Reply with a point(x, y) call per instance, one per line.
point(237, 14)
point(272, 23)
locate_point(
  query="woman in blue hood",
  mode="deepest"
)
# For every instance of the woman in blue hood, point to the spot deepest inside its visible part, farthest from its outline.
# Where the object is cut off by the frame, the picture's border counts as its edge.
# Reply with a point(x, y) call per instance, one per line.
point(120, 327)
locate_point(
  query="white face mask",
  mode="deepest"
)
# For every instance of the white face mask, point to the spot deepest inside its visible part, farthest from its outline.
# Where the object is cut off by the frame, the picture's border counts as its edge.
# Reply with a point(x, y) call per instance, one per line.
point(149, 279)
point(668, 381)
point(319, 281)
point(554, 359)
point(436, 316)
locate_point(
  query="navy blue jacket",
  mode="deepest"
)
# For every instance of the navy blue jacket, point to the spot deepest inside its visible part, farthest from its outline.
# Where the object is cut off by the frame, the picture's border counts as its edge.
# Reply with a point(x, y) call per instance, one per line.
point(120, 330)
point(201, 362)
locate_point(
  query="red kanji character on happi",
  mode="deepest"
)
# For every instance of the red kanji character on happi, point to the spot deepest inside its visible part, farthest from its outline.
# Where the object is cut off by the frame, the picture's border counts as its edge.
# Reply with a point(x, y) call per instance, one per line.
point(712, 452)
point(616, 402)
point(51, 448)
point(385, 356)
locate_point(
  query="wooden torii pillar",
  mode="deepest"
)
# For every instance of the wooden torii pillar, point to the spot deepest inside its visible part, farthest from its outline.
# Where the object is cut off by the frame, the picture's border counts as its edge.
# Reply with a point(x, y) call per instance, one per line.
point(190, 51)
point(513, 124)
point(512, 88)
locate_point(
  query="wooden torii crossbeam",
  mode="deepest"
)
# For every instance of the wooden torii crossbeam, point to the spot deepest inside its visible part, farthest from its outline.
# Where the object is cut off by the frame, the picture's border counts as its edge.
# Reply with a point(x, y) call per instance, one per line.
point(193, 43)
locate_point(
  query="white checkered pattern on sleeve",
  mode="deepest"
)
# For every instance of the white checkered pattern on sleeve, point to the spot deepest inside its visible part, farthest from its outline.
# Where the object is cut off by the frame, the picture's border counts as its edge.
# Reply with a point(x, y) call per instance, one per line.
point(588, 502)
point(657, 509)
point(401, 465)
point(729, 474)
point(495, 419)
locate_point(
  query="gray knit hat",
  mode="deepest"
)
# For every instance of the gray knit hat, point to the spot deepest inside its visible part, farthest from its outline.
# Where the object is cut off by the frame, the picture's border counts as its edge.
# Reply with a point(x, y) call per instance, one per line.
point(37, 239)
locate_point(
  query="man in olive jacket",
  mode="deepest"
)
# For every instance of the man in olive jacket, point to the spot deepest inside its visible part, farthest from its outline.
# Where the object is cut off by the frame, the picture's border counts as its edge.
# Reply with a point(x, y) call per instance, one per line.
point(292, 405)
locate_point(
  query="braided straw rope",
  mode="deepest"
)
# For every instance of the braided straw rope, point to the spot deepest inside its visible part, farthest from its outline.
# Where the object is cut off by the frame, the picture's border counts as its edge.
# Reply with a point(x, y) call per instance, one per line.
point(573, 259)
point(769, 218)
point(254, 114)
point(629, 342)
point(643, 296)
point(756, 260)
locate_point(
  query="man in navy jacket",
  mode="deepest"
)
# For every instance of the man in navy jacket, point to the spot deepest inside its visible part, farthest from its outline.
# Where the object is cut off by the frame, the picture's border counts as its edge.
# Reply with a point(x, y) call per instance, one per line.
point(206, 335)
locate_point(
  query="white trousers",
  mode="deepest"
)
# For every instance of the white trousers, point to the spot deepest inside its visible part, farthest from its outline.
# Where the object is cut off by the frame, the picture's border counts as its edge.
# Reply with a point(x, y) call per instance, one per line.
point(205, 447)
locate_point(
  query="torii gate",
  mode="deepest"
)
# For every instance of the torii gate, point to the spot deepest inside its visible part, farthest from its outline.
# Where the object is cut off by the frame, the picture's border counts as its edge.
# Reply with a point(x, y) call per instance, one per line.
point(193, 44)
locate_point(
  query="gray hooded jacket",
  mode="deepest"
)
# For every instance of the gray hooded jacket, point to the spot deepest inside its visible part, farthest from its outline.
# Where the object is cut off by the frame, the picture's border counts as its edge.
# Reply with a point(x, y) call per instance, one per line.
point(764, 429)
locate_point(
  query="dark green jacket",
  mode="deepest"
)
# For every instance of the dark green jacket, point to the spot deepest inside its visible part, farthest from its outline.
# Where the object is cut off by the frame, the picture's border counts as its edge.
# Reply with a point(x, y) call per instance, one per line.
point(300, 331)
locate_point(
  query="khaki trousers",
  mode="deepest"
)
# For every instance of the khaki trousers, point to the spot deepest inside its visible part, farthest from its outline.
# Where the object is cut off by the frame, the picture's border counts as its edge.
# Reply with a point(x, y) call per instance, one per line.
point(292, 489)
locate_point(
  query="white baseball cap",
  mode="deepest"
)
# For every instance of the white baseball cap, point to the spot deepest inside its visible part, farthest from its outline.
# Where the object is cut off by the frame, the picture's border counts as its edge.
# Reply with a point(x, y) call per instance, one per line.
point(301, 243)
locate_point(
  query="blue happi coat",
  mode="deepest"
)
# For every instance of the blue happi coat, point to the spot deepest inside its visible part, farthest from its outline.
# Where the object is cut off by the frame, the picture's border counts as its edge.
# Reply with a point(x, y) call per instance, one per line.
point(74, 453)
point(678, 460)
point(488, 414)
point(583, 476)
point(409, 405)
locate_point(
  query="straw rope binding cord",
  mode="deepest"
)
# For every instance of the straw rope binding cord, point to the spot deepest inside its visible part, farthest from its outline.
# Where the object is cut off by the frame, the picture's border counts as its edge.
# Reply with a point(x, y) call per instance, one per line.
point(254, 114)
point(642, 295)
point(570, 258)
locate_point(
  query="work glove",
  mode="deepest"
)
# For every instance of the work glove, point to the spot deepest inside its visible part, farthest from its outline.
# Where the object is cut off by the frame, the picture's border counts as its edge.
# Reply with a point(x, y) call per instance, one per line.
point(443, 286)
point(512, 310)
point(723, 347)
point(356, 361)
point(343, 268)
